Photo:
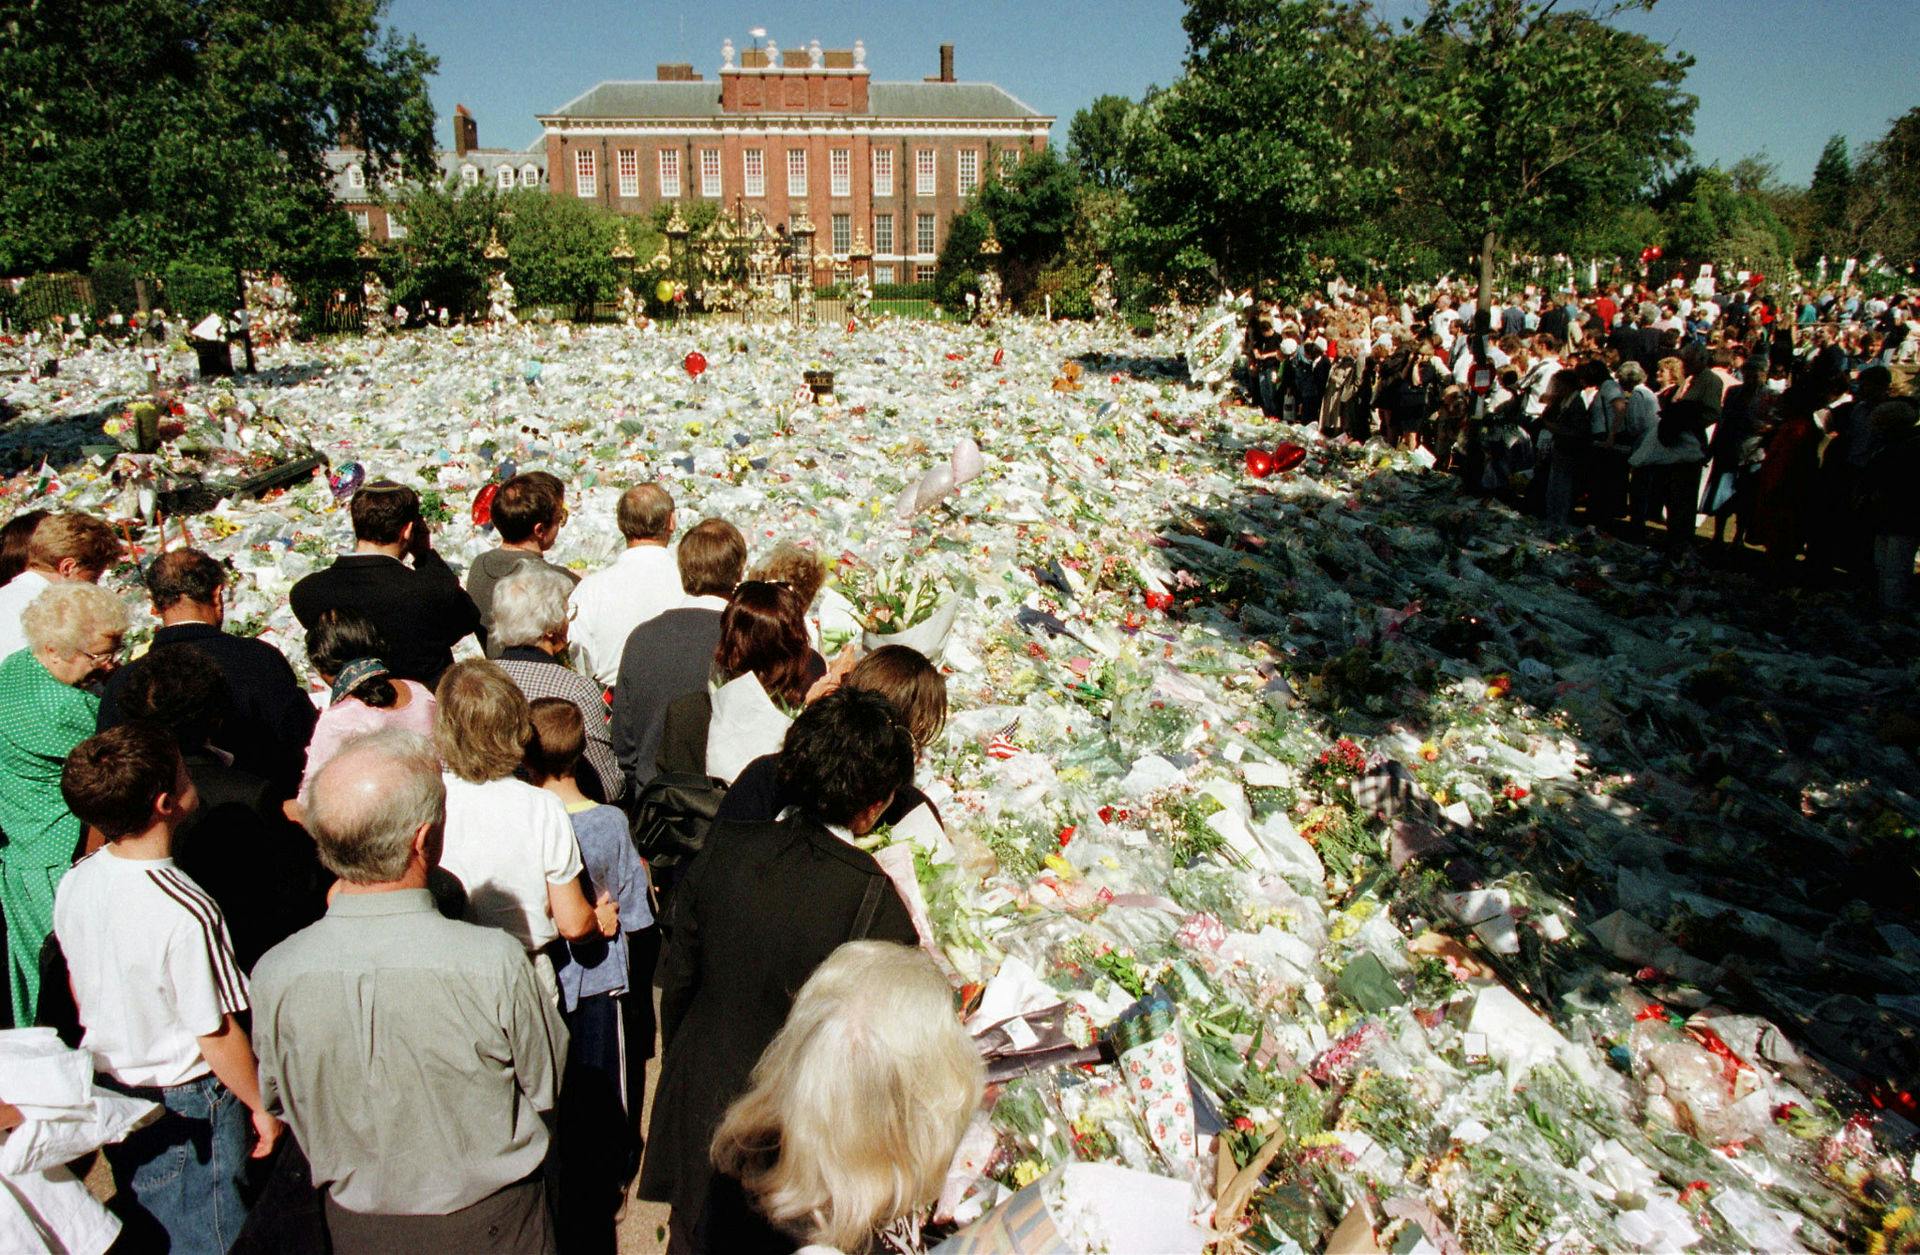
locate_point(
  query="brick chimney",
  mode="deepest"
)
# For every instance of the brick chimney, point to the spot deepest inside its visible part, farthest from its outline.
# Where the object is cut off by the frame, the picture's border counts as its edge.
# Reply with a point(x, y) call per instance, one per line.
point(946, 65)
point(675, 72)
point(466, 132)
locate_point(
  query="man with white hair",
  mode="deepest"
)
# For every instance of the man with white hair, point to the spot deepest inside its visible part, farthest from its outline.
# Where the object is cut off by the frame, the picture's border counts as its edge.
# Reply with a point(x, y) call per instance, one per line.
point(415, 1056)
point(643, 583)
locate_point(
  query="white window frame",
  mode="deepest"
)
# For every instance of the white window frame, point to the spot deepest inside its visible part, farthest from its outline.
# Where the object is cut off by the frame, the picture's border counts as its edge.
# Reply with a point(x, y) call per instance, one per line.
point(356, 177)
point(670, 174)
point(753, 169)
point(841, 227)
point(529, 175)
point(796, 172)
point(883, 239)
point(883, 273)
point(926, 234)
point(586, 174)
point(926, 171)
point(925, 272)
point(396, 229)
point(1009, 160)
point(626, 172)
point(840, 172)
point(503, 178)
point(882, 172)
point(469, 176)
point(710, 180)
point(967, 171)
point(363, 221)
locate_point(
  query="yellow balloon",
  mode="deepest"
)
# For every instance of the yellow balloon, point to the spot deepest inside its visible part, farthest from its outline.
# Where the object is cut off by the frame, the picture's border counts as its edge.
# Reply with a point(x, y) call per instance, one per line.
point(663, 290)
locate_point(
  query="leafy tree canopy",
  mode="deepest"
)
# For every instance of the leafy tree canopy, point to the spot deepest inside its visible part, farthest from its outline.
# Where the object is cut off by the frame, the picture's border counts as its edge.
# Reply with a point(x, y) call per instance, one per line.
point(1097, 138)
point(151, 130)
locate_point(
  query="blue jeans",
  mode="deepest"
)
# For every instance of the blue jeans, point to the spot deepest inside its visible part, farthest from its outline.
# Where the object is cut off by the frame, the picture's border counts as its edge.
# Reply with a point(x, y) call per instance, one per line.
point(178, 1179)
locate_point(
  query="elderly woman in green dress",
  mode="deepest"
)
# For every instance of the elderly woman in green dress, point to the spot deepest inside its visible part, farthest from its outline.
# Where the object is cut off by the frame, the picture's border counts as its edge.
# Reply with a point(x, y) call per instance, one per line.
point(73, 636)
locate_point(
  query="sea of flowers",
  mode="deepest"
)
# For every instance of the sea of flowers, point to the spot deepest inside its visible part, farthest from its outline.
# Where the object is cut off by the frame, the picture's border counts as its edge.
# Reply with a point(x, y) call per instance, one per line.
point(1358, 860)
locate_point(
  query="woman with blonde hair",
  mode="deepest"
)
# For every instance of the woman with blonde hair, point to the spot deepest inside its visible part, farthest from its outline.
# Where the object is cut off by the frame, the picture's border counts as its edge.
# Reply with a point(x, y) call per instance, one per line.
point(510, 844)
point(73, 633)
point(853, 1115)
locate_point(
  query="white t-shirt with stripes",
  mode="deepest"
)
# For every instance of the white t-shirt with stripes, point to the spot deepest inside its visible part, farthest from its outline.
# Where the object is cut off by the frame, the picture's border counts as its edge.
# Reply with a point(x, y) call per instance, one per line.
point(151, 964)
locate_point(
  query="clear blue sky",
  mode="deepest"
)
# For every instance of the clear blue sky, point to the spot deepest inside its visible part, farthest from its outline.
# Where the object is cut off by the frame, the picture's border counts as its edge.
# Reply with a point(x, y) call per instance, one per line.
point(1773, 76)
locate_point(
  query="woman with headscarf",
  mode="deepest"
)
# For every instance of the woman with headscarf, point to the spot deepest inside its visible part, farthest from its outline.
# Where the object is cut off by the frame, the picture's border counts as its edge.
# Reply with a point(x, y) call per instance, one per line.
point(362, 695)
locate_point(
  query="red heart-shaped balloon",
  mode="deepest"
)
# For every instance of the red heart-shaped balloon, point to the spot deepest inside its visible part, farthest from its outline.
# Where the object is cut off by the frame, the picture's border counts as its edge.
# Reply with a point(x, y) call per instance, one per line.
point(483, 504)
point(696, 362)
point(1287, 456)
point(1259, 463)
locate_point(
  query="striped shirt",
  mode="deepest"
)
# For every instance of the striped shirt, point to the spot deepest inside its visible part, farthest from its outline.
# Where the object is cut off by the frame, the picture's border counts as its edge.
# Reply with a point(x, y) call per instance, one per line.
point(151, 963)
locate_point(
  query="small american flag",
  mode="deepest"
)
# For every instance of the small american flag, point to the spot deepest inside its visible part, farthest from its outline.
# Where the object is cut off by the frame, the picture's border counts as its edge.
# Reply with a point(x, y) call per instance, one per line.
point(1002, 746)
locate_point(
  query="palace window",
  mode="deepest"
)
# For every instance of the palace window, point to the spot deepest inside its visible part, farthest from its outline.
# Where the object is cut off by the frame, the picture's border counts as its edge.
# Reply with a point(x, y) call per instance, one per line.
point(586, 175)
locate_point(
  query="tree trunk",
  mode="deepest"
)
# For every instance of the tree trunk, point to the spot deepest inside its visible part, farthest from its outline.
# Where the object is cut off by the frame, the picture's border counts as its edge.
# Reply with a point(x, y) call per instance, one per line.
point(1483, 308)
point(246, 323)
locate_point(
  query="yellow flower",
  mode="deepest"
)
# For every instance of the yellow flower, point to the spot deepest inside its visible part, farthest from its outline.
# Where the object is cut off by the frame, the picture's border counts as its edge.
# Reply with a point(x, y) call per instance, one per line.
point(1060, 866)
point(1025, 1173)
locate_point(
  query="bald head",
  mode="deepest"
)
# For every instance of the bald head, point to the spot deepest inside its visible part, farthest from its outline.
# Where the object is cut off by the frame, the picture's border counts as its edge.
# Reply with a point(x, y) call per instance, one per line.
point(368, 803)
point(646, 514)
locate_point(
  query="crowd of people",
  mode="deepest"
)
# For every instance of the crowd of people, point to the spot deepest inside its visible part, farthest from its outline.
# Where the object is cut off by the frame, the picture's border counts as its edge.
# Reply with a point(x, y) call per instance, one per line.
point(385, 953)
point(1789, 424)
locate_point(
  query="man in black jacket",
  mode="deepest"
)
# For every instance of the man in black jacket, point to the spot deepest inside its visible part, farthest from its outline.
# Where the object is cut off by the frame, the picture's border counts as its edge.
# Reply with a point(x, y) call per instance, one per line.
point(271, 721)
point(421, 610)
point(762, 905)
point(671, 654)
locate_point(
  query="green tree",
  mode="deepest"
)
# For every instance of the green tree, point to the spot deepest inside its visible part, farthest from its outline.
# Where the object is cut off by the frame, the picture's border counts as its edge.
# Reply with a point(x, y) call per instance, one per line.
point(439, 259)
point(558, 250)
point(1883, 213)
point(1032, 211)
point(1830, 193)
point(149, 131)
point(1709, 219)
point(1236, 167)
point(957, 271)
point(1531, 117)
point(1097, 138)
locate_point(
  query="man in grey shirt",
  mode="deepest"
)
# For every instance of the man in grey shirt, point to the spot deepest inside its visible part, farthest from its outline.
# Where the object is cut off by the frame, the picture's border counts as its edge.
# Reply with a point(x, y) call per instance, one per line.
point(414, 1056)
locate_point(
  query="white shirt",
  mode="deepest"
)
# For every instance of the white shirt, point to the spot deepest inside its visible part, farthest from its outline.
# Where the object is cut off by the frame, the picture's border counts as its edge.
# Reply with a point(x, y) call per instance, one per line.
point(642, 582)
point(151, 964)
point(15, 597)
point(1534, 386)
point(507, 841)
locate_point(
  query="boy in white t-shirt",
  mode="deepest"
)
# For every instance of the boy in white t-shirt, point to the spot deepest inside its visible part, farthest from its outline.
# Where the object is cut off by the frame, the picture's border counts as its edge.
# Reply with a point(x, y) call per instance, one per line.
point(157, 989)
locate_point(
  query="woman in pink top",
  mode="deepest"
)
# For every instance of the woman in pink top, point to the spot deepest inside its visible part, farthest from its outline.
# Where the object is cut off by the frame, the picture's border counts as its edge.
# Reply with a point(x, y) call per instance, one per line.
point(345, 649)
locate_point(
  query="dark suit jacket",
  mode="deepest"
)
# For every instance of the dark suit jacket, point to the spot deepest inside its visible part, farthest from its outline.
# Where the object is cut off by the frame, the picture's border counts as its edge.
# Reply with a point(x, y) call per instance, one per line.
point(258, 865)
point(755, 796)
point(420, 610)
point(668, 656)
point(272, 720)
point(762, 905)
